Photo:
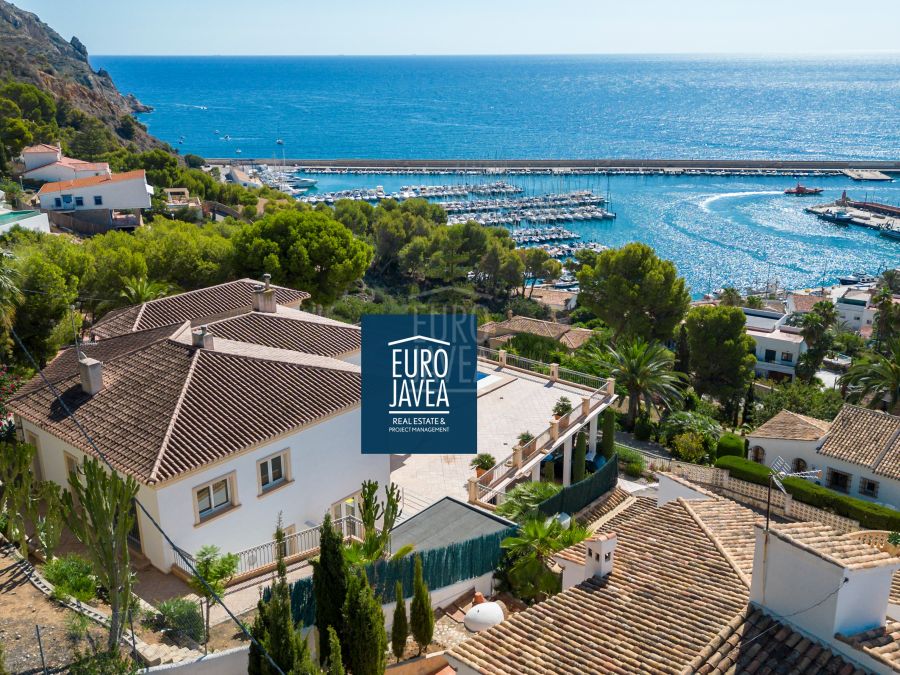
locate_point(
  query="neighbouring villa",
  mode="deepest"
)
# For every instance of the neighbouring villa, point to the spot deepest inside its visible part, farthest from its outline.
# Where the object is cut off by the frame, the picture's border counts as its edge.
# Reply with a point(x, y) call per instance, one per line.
point(45, 163)
point(98, 203)
point(858, 453)
point(779, 343)
point(497, 333)
point(27, 219)
point(256, 413)
point(691, 582)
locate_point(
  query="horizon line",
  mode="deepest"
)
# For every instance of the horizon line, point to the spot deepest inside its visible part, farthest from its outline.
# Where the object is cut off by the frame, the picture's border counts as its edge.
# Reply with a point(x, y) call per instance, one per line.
point(845, 52)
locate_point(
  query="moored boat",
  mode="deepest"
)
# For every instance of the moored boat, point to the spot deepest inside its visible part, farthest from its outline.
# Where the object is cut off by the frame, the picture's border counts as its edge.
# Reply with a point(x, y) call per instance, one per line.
point(803, 190)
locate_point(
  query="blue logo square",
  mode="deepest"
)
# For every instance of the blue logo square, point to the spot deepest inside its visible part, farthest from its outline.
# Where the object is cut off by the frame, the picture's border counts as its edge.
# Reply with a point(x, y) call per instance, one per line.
point(418, 384)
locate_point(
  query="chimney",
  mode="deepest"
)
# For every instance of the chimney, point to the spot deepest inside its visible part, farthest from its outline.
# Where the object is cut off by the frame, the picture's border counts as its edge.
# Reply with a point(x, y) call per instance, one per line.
point(264, 296)
point(598, 560)
point(91, 371)
point(509, 314)
point(202, 338)
point(822, 582)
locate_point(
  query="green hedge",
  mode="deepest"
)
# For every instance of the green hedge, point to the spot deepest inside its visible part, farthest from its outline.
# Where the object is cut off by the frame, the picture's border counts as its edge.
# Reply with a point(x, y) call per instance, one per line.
point(730, 445)
point(870, 515)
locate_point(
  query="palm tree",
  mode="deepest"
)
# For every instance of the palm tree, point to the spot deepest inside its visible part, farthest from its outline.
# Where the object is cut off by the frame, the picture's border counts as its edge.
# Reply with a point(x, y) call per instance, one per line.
point(876, 380)
point(524, 498)
point(891, 279)
point(138, 290)
point(730, 297)
point(644, 370)
point(10, 295)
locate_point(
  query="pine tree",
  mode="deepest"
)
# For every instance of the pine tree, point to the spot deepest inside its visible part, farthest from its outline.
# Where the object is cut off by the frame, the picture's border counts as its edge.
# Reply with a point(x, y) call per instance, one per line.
point(365, 634)
point(579, 455)
point(608, 441)
point(330, 587)
point(335, 663)
point(421, 616)
point(400, 629)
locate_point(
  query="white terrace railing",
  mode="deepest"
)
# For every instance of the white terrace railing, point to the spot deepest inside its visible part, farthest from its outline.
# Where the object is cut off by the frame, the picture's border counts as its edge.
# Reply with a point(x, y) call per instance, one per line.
point(297, 545)
point(551, 371)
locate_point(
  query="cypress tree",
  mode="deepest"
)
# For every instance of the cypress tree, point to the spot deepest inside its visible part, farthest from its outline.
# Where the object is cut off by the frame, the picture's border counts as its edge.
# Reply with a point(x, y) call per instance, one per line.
point(682, 352)
point(330, 588)
point(365, 634)
point(578, 458)
point(400, 629)
point(421, 616)
point(258, 631)
point(285, 644)
point(608, 441)
point(335, 663)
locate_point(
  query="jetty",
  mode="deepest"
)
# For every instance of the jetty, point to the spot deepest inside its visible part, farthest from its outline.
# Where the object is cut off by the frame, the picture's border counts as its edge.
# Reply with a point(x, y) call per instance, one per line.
point(884, 218)
point(866, 174)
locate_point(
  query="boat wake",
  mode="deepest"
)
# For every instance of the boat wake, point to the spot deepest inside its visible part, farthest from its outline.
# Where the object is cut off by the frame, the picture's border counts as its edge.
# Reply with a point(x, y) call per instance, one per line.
point(707, 200)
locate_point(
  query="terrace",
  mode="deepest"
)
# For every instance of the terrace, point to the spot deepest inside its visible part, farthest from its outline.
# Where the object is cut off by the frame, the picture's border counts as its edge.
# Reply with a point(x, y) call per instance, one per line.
point(514, 395)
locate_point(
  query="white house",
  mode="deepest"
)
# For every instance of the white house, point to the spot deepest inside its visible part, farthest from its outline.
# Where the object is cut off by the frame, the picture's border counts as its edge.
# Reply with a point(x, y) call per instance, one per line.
point(855, 310)
point(858, 453)
point(779, 343)
point(46, 163)
point(105, 201)
point(29, 220)
point(224, 427)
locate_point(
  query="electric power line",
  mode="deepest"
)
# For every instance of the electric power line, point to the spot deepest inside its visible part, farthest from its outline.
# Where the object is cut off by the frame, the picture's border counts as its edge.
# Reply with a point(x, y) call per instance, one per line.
point(152, 520)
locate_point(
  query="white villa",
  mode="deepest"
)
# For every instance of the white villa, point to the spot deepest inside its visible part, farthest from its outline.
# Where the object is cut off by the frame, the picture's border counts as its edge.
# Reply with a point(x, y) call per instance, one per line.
point(226, 426)
point(779, 343)
point(858, 453)
point(98, 203)
point(46, 163)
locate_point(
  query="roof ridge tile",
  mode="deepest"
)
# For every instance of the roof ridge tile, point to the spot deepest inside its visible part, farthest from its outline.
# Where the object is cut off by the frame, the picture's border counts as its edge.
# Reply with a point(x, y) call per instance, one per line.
point(168, 435)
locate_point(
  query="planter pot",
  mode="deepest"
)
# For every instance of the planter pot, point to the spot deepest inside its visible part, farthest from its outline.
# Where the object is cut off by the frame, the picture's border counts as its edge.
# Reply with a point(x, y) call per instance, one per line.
point(479, 472)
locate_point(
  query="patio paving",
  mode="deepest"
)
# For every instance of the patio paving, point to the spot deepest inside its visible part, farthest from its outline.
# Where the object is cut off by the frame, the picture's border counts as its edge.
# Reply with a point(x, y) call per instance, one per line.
point(522, 403)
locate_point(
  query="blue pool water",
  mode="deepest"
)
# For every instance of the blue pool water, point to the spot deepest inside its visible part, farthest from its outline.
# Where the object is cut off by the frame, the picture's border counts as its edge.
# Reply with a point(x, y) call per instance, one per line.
point(480, 376)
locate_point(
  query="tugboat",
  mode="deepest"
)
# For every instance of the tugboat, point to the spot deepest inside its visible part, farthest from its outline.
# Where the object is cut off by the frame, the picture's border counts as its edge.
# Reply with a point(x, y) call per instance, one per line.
point(801, 190)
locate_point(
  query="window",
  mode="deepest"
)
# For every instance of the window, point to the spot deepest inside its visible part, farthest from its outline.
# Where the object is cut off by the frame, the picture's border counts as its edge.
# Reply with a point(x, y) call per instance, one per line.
point(79, 201)
point(67, 199)
point(868, 487)
point(770, 355)
point(787, 356)
point(273, 471)
point(799, 465)
point(838, 480)
point(71, 464)
point(57, 202)
point(98, 200)
point(758, 454)
point(213, 497)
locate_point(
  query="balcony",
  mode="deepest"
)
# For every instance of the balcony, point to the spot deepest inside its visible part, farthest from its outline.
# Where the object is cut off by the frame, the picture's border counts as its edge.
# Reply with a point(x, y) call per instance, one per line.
point(263, 558)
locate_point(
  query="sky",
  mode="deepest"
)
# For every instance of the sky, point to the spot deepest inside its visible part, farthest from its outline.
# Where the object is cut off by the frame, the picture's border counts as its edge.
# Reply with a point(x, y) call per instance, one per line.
point(329, 27)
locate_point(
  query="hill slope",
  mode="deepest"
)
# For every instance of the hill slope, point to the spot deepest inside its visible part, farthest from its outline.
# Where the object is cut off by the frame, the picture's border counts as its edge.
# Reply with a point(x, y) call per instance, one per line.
point(31, 51)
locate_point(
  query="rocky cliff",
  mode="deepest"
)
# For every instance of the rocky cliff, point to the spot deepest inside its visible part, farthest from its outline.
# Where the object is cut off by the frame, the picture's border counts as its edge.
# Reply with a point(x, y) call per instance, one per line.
point(31, 51)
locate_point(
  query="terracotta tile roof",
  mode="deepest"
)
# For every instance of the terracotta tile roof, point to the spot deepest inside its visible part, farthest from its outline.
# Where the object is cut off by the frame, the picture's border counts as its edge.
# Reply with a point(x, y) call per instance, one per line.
point(65, 364)
point(669, 595)
point(603, 505)
point(169, 408)
point(803, 302)
point(40, 147)
point(895, 589)
point(553, 296)
point(753, 642)
point(865, 437)
point(90, 181)
point(831, 545)
point(792, 426)
point(297, 333)
point(732, 525)
point(882, 643)
point(571, 337)
point(204, 304)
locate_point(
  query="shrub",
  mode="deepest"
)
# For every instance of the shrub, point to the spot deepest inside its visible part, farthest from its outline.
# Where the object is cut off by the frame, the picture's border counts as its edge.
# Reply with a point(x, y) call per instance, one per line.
point(525, 497)
point(608, 440)
point(643, 428)
point(683, 422)
point(870, 515)
point(73, 577)
point(627, 455)
point(689, 447)
point(483, 460)
point(182, 615)
point(634, 469)
point(562, 407)
point(730, 445)
point(525, 438)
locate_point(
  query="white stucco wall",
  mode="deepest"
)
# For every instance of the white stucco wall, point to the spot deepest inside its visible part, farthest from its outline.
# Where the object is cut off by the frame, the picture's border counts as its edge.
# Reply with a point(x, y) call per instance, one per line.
point(888, 489)
point(37, 222)
point(32, 160)
point(778, 344)
point(58, 172)
point(326, 467)
point(228, 662)
point(123, 194)
point(670, 490)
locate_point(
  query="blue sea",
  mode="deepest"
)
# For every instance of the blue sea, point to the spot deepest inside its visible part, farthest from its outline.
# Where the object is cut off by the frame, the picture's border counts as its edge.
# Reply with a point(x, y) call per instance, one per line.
point(718, 230)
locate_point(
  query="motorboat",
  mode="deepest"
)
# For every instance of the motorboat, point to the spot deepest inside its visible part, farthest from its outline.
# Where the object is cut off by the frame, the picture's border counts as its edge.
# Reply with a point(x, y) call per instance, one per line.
point(803, 190)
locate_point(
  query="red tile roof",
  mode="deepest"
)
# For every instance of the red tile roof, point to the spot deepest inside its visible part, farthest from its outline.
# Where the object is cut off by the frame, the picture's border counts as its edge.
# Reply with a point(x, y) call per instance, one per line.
point(204, 304)
point(168, 408)
point(40, 147)
point(89, 181)
point(300, 332)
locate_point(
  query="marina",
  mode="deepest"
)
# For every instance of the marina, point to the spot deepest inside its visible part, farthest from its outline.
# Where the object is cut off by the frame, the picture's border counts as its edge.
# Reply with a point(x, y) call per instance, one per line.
point(883, 218)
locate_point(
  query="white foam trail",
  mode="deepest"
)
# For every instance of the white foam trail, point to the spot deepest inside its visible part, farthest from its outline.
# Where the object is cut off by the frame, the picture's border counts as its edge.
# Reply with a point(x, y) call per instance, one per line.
point(706, 201)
